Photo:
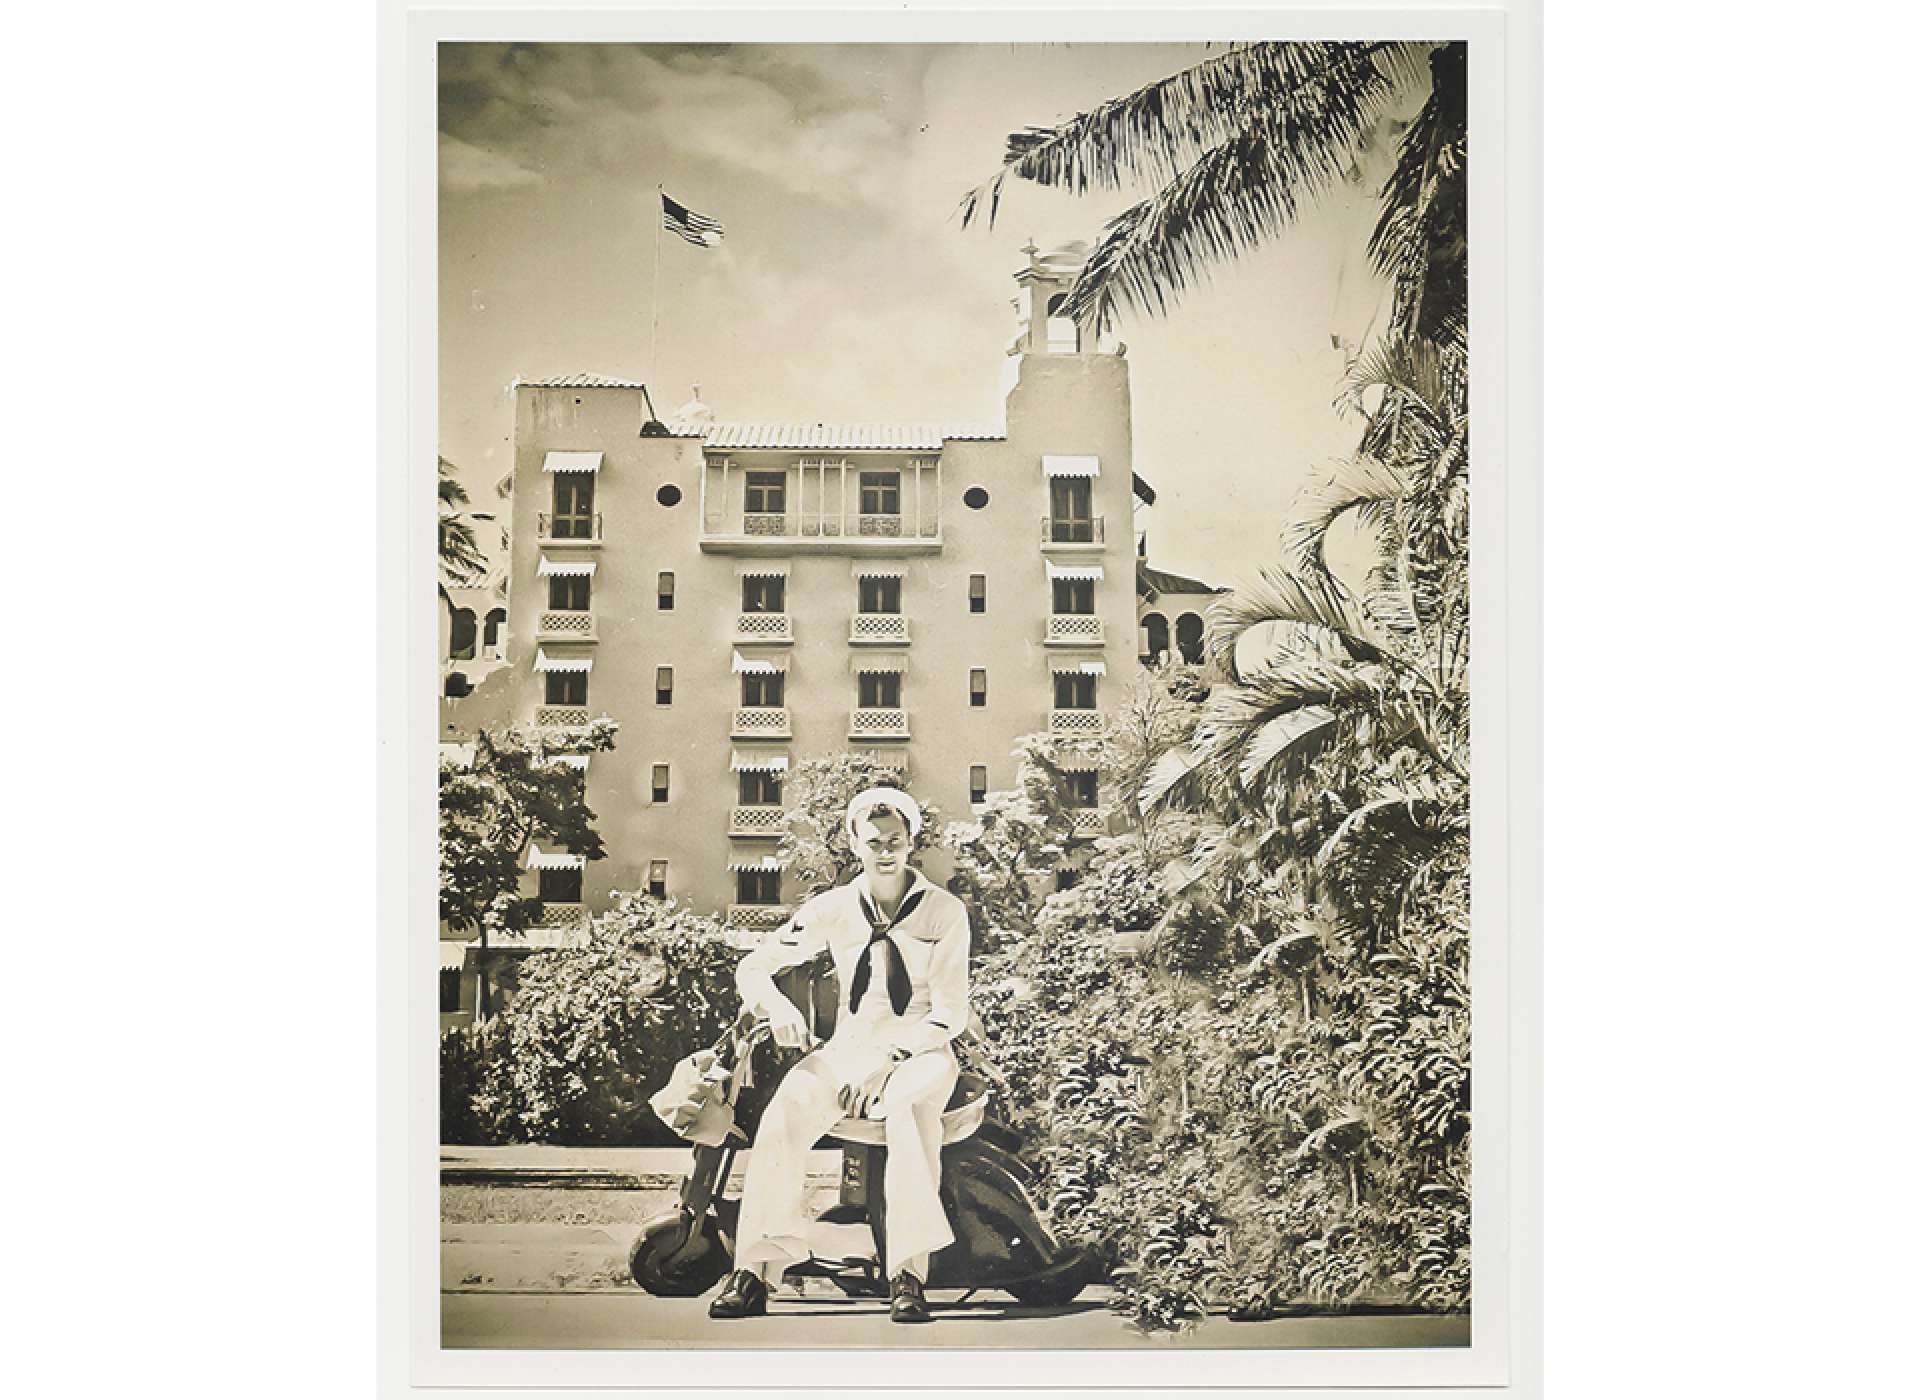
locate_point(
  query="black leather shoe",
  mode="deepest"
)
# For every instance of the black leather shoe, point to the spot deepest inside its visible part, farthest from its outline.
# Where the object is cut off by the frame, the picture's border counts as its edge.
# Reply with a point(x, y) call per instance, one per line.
point(909, 1302)
point(744, 1296)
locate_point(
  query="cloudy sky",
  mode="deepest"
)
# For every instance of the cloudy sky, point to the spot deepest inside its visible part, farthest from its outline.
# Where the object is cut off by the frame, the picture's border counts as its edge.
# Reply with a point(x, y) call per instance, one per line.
point(845, 287)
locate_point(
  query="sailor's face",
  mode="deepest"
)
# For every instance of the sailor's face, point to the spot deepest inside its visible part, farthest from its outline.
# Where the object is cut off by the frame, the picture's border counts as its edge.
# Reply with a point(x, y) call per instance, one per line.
point(882, 844)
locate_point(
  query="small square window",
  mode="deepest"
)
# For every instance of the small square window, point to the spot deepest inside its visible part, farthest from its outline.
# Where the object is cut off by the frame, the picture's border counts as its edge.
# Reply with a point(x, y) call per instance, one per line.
point(572, 593)
point(666, 591)
point(879, 493)
point(977, 593)
point(661, 781)
point(560, 886)
point(763, 689)
point(449, 989)
point(1083, 789)
point(766, 493)
point(759, 789)
point(977, 783)
point(1073, 690)
point(977, 687)
point(657, 878)
point(663, 685)
point(1073, 595)
point(566, 687)
point(879, 595)
point(879, 690)
point(763, 594)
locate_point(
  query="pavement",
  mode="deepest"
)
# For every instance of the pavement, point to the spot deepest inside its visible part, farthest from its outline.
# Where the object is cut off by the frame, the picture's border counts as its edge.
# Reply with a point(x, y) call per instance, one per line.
point(565, 1284)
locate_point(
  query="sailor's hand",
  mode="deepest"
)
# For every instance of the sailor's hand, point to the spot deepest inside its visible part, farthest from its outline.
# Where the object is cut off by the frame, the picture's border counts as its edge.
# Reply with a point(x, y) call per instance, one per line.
point(857, 1096)
point(789, 1027)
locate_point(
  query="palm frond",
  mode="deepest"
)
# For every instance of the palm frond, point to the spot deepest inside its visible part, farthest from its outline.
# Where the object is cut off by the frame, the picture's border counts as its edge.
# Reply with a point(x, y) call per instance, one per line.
point(1362, 485)
point(1318, 603)
point(1171, 774)
point(1372, 856)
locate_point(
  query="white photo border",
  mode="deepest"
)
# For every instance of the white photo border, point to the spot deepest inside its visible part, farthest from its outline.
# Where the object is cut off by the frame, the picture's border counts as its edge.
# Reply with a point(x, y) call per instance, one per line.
point(1504, 278)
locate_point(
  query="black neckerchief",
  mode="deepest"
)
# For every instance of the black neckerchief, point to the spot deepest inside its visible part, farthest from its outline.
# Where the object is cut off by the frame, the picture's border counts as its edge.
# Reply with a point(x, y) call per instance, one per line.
point(899, 985)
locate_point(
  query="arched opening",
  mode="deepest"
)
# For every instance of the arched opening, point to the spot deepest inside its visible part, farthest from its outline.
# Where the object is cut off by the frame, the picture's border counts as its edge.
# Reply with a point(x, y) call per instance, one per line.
point(462, 635)
point(1190, 632)
point(1063, 337)
point(490, 637)
point(458, 686)
point(1156, 627)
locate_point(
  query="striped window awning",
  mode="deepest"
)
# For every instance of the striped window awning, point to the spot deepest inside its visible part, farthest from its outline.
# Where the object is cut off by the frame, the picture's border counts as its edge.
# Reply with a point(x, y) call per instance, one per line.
point(1096, 572)
point(773, 570)
point(893, 760)
point(453, 956)
point(881, 569)
point(1070, 466)
point(765, 862)
point(1074, 762)
point(538, 859)
point(572, 462)
point(748, 762)
point(874, 665)
point(1067, 665)
point(566, 568)
point(758, 665)
point(543, 662)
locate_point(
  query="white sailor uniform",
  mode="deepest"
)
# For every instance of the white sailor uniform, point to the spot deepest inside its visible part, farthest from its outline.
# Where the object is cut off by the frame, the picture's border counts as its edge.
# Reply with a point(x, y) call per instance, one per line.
point(918, 1003)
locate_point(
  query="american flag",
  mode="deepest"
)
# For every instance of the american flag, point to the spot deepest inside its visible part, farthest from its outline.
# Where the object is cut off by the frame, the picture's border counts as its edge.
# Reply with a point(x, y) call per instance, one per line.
point(697, 229)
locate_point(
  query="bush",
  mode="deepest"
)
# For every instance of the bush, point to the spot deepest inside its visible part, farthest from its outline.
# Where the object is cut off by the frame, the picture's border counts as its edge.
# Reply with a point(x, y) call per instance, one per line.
point(592, 1032)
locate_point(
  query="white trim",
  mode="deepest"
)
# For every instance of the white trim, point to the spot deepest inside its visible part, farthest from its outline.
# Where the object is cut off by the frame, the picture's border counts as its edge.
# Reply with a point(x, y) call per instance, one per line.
point(1096, 572)
point(572, 462)
point(878, 665)
point(777, 569)
point(1070, 466)
point(538, 859)
point(766, 862)
point(758, 665)
point(1068, 665)
point(452, 955)
point(566, 568)
point(881, 569)
point(745, 762)
point(543, 662)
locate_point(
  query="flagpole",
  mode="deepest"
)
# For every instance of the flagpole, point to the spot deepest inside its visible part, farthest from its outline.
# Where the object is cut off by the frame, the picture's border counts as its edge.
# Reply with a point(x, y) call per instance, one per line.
point(653, 332)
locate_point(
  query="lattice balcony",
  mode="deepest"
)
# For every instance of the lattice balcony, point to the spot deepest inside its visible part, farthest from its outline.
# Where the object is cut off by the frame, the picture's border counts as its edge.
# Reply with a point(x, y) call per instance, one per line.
point(890, 628)
point(568, 529)
point(763, 627)
point(1075, 630)
point(765, 522)
point(884, 526)
point(561, 716)
point(568, 626)
point(554, 914)
point(762, 722)
point(756, 821)
point(757, 916)
point(1088, 821)
point(1055, 529)
point(878, 724)
point(1072, 724)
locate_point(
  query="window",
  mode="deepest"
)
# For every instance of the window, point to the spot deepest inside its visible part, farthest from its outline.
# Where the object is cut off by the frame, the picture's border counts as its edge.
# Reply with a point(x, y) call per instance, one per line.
point(1190, 632)
point(449, 989)
point(766, 493)
point(880, 595)
point(661, 779)
point(977, 687)
point(763, 593)
point(566, 687)
point(977, 593)
point(1083, 789)
point(463, 635)
point(760, 789)
point(756, 886)
point(666, 591)
point(668, 495)
point(879, 493)
point(663, 685)
point(1063, 336)
point(1073, 595)
point(490, 638)
point(458, 687)
point(1071, 505)
point(573, 505)
point(1156, 626)
point(976, 498)
point(764, 688)
point(569, 594)
point(977, 783)
point(1065, 877)
point(879, 690)
point(560, 886)
point(657, 878)
point(1072, 690)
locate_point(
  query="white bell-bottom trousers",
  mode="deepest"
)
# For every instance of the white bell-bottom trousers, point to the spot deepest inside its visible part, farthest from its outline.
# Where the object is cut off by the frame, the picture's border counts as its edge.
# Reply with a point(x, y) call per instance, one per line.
point(773, 1216)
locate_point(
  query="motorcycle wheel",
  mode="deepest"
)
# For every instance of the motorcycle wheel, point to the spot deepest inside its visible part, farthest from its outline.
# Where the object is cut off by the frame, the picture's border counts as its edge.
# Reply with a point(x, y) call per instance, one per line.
point(683, 1272)
point(1047, 1292)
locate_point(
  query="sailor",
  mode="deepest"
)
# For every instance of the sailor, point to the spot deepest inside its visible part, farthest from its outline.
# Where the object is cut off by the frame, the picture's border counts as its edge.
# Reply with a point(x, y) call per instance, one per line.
point(899, 946)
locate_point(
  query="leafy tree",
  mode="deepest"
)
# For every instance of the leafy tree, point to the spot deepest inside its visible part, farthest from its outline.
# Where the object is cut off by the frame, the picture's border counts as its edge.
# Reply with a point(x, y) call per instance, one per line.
point(515, 790)
point(814, 846)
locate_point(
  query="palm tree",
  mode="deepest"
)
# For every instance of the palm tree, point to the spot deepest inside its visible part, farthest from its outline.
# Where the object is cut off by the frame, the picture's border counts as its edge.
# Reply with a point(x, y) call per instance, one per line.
point(462, 562)
point(1235, 146)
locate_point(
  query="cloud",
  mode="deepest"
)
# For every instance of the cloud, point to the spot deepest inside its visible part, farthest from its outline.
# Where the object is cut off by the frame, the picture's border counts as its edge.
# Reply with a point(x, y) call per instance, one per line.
point(466, 168)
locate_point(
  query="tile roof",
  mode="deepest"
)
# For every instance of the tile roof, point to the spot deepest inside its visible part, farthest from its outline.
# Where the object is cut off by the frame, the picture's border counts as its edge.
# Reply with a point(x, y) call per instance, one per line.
point(580, 381)
point(1150, 582)
point(846, 437)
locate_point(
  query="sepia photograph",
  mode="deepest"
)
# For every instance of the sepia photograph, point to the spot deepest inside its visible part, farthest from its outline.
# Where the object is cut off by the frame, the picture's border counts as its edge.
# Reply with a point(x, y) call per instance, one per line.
point(954, 760)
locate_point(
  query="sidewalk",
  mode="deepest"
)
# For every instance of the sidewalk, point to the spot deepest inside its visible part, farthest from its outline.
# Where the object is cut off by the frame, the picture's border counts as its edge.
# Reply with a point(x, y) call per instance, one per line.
point(594, 1168)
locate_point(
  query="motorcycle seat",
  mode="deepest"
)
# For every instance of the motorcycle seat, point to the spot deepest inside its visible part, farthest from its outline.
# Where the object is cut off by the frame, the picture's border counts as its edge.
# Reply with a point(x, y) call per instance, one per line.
point(965, 1111)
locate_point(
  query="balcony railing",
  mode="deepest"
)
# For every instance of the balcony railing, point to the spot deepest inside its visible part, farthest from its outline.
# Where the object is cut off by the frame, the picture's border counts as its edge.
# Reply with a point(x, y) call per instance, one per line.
point(1057, 529)
point(569, 529)
point(763, 627)
point(1088, 821)
point(764, 522)
point(568, 626)
point(1075, 630)
point(757, 916)
point(762, 722)
point(874, 723)
point(561, 716)
point(756, 820)
point(879, 627)
point(1071, 724)
point(554, 914)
